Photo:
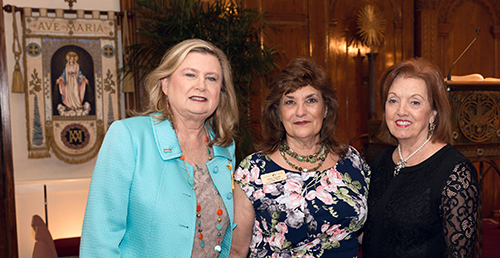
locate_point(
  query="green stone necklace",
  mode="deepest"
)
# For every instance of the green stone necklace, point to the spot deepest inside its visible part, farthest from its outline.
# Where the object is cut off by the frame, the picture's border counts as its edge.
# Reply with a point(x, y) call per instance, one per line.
point(320, 155)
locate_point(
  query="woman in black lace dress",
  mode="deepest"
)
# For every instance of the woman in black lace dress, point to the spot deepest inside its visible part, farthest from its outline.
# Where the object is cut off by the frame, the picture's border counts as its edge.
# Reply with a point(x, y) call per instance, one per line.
point(423, 194)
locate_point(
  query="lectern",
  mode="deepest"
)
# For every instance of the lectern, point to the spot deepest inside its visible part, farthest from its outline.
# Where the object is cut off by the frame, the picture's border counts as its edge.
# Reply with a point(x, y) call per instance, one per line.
point(475, 113)
point(475, 118)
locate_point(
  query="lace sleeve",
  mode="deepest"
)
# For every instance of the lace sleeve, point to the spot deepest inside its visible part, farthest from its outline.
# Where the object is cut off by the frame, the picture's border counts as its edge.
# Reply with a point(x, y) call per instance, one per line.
point(459, 204)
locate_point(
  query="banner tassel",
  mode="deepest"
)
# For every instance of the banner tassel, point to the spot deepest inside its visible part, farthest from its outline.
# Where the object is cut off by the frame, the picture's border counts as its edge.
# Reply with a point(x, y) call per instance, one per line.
point(17, 78)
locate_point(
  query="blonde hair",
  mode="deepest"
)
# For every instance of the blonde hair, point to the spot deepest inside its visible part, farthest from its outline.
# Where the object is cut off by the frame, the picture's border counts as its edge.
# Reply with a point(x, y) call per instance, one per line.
point(223, 122)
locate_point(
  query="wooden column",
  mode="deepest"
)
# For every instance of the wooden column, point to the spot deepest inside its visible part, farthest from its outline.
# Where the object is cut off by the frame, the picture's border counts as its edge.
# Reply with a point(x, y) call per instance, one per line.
point(426, 34)
point(398, 43)
point(496, 35)
point(133, 100)
point(318, 24)
point(8, 230)
point(443, 33)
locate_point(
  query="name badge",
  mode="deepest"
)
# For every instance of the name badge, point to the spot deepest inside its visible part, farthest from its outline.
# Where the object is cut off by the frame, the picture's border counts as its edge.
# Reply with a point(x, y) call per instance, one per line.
point(273, 177)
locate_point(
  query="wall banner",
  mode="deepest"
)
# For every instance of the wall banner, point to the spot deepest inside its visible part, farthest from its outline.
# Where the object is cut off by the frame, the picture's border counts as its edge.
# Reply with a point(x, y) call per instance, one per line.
point(71, 81)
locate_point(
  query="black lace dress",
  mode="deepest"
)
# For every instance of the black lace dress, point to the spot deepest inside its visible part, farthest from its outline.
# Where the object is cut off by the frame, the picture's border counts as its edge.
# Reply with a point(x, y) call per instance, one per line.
point(428, 210)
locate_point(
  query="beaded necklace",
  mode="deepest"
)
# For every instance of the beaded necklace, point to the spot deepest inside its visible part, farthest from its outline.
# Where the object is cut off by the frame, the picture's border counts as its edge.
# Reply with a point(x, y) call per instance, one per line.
point(219, 212)
point(285, 149)
point(301, 158)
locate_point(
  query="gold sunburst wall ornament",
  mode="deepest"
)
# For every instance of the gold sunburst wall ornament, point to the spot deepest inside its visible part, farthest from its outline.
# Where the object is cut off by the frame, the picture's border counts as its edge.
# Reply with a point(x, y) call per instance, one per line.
point(371, 25)
point(351, 33)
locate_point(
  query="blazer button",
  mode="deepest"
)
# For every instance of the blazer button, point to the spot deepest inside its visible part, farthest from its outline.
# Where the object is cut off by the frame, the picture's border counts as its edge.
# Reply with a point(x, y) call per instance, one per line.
point(229, 196)
point(216, 169)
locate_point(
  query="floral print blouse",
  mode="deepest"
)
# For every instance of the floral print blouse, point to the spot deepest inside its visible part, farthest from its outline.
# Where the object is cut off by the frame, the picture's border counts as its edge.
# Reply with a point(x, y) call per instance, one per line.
point(308, 214)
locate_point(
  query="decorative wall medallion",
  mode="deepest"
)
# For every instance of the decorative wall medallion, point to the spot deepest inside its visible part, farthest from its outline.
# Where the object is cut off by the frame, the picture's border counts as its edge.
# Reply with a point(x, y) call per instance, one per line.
point(478, 117)
point(75, 136)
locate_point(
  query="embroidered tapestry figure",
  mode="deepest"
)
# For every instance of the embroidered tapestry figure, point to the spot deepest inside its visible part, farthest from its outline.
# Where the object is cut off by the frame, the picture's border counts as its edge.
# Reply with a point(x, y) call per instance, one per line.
point(72, 83)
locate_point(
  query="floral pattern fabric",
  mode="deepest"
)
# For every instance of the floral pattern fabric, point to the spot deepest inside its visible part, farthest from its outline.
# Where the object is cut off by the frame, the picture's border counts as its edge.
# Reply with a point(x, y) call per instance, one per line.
point(309, 214)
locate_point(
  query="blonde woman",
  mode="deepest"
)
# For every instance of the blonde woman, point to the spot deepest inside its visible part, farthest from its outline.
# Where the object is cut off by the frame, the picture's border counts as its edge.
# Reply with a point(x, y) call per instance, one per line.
point(162, 184)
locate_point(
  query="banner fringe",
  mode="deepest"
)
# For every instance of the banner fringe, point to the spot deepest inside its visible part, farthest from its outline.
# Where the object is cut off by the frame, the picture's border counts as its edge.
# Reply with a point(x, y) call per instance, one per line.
point(38, 154)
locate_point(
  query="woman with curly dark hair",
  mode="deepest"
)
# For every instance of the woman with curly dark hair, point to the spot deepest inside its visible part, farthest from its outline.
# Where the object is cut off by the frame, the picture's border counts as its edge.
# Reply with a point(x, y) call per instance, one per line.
point(304, 194)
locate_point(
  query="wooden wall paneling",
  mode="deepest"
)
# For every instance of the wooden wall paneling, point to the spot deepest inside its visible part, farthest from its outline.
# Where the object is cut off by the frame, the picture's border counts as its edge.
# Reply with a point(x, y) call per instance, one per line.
point(491, 193)
point(255, 4)
point(318, 22)
point(288, 38)
point(284, 8)
point(349, 70)
point(444, 49)
point(8, 228)
point(391, 46)
point(496, 36)
point(426, 34)
point(399, 31)
point(132, 99)
point(386, 51)
point(290, 35)
point(408, 34)
point(398, 27)
point(477, 59)
point(495, 199)
point(338, 63)
point(140, 98)
point(398, 43)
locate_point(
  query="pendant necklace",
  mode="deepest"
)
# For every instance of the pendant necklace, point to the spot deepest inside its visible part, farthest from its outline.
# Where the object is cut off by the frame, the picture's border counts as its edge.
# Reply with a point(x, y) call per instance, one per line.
point(219, 212)
point(402, 162)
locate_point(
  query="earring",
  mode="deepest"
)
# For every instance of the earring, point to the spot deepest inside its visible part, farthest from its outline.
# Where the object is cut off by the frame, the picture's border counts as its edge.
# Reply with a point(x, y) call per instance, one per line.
point(216, 114)
point(168, 103)
point(432, 126)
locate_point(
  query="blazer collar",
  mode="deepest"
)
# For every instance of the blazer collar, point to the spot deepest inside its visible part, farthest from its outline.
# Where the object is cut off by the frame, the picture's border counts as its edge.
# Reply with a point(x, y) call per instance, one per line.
point(168, 144)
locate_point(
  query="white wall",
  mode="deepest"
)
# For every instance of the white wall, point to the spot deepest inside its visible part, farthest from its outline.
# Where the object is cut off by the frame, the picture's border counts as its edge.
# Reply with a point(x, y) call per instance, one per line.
point(66, 200)
point(67, 184)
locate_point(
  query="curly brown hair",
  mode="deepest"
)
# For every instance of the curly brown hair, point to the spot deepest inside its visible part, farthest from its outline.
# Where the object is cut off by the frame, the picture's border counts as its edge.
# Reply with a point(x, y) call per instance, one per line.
point(300, 72)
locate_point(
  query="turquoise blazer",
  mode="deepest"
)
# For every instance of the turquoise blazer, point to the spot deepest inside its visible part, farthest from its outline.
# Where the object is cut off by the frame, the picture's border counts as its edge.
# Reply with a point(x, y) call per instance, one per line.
point(140, 203)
